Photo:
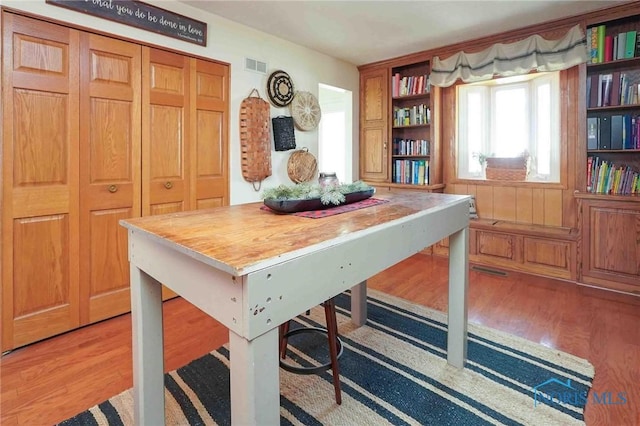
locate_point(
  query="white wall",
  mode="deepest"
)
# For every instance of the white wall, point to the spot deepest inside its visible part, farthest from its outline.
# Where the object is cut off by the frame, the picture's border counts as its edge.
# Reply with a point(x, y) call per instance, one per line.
point(231, 42)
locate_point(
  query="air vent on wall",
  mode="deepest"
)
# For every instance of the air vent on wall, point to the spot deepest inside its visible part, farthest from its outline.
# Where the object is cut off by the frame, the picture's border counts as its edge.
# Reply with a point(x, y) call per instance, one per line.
point(255, 65)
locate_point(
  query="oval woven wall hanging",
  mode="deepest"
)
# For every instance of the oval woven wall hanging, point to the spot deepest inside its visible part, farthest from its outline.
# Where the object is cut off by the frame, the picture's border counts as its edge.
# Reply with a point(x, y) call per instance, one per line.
point(305, 111)
point(302, 166)
point(280, 88)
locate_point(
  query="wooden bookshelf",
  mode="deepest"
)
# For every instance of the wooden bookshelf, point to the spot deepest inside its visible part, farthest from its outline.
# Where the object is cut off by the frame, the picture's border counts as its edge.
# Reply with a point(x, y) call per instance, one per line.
point(609, 214)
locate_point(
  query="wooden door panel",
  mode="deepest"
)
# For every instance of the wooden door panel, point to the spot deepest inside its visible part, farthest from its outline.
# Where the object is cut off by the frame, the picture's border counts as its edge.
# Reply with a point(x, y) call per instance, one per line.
point(36, 242)
point(44, 304)
point(40, 221)
point(498, 245)
point(209, 203)
point(165, 127)
point(547, 253)
point(615, 240)
point(109, 293)
point(110, 176)
point(375, 96)
point(40, 155)
point(168, 144)
point(373, 154)
point(110, 142)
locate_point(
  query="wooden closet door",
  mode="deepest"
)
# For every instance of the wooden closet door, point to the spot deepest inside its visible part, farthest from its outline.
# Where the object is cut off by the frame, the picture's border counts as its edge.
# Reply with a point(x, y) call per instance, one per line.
point(40, 219)
point(209, 145)
point(165, 132)
point(110, 178)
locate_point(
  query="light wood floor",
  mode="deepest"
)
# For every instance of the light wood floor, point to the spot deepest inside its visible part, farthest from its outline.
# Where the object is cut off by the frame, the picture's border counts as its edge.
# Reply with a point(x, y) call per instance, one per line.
point(52, 380)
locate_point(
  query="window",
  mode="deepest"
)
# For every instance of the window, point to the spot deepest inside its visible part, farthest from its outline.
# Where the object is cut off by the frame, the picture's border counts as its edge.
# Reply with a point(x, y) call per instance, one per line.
point(509, 116)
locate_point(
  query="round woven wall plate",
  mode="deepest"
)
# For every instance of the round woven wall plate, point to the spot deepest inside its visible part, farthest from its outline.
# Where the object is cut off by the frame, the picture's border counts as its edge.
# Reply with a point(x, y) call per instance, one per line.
point(302, 166)
point(280, 88)
point(305, 111)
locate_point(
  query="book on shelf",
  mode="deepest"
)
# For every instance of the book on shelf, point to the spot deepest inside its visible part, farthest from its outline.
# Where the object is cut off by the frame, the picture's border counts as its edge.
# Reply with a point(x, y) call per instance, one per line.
point(604, 96)
point(600, 41)
point(604, 177)
point(614, 98)
point(410, 146)
point(621, 46)
point(630, 48)
point(411, 172)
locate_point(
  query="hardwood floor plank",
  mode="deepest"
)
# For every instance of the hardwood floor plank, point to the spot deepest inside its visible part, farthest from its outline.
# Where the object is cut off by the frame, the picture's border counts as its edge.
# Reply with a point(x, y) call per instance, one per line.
point(49, 381)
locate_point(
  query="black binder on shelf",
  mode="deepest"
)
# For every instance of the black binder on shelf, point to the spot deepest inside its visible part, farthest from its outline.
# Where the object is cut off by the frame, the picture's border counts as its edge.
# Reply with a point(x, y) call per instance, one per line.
point(604, 141)
point(592, 132)
point(616, 132)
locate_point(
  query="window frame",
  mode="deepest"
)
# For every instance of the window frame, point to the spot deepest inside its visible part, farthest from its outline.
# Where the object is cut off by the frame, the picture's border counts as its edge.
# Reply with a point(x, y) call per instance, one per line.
point(531, 82)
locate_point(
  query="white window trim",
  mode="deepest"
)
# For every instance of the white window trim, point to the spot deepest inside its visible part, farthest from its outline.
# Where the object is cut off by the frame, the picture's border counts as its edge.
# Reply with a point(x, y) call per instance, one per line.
point(487, 90)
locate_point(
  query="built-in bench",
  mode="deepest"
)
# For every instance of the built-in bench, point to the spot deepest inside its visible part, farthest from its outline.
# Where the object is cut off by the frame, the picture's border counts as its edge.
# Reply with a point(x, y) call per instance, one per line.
point(538, 249)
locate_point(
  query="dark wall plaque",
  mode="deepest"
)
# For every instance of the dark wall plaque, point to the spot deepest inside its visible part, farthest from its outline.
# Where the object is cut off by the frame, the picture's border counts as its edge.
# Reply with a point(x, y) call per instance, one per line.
point(141, 15)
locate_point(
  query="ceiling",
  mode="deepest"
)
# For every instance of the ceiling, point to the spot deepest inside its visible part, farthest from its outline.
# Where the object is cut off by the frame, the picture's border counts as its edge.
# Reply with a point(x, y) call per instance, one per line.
point(362, 32)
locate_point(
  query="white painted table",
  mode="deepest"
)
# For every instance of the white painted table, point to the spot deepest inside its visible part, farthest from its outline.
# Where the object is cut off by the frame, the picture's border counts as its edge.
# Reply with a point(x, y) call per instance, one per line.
point(252, 270)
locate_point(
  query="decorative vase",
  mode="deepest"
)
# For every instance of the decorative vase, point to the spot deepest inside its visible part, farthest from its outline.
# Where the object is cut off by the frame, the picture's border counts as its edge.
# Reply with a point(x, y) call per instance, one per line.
point(328, 179)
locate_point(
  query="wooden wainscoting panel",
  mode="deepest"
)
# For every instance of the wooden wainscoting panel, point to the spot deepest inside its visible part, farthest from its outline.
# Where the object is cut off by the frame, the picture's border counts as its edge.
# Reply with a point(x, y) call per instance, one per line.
point(504, 203)
point(537, 200)
point(484, 201)
point(524, 205)
point(553, 207)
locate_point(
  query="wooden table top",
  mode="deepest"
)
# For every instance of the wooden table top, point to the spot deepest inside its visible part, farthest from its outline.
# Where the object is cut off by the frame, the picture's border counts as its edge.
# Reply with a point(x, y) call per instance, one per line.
point(243, 238)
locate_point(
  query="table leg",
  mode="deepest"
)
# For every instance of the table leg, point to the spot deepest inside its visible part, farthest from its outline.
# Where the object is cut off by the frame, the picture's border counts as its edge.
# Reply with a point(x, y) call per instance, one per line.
point(458, 286)
point(148, 359)
point(255, 379)
point(359, 304)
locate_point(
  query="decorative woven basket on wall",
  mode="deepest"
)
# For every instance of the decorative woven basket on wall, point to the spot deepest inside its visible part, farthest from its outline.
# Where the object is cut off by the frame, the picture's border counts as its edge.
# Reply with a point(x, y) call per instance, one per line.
point(511, 169)
point(255, 139)
point(302, 166)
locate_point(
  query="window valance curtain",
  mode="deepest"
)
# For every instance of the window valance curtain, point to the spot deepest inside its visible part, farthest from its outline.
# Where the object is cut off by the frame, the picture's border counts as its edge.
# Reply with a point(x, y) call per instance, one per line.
point(521, 57)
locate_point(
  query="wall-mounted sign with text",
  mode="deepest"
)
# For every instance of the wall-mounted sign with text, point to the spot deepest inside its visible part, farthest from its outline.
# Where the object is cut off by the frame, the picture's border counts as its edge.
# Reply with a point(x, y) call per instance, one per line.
point(140, 15)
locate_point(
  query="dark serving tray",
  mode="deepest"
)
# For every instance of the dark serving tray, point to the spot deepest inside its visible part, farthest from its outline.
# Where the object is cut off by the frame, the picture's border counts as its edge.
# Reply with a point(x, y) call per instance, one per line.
point(293, 206)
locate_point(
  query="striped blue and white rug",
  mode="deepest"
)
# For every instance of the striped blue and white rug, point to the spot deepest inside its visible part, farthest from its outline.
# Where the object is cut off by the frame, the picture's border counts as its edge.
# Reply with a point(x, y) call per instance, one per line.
point(392, 371)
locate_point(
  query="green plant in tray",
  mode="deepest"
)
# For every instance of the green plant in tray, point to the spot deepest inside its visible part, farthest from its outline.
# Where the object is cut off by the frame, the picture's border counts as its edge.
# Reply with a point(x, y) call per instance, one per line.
point(329, 194)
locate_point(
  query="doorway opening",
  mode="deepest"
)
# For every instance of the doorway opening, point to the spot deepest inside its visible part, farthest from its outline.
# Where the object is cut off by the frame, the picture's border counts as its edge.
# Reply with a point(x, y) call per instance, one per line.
point(335, 144)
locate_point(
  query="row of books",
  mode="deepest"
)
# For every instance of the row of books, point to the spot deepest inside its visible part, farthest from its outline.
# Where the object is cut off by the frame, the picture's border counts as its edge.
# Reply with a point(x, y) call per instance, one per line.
point(616, 131)
point(613, 89)
point(604, 177)
point(410, 85)
point(410, 147)
point(411, 116)
point(414, 172)
point(605, 47)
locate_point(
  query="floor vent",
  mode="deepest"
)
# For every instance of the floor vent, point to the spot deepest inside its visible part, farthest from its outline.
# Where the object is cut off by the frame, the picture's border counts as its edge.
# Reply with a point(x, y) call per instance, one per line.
point(255, 65)
point(489, 271)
